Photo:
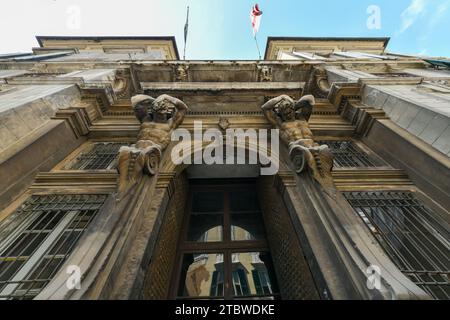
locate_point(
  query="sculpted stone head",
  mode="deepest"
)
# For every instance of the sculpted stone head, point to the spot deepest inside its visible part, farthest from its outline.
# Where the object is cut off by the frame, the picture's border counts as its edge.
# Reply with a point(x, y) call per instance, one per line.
point(162, 109)
point(181, 74)
point(285, 109)
point(147, 108)
point(162, 106)
point(141, 103)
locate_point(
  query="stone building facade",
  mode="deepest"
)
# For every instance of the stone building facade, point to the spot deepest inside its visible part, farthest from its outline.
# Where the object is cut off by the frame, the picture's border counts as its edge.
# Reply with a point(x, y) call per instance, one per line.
point(357, 209)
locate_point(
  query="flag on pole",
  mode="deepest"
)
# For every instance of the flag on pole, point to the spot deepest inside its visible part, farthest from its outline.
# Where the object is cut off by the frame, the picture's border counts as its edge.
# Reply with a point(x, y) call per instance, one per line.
point(255, 18)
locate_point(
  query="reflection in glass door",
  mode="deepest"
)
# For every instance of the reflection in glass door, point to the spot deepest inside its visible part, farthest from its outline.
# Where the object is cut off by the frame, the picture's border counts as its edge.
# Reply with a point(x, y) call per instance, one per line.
point(223, 252)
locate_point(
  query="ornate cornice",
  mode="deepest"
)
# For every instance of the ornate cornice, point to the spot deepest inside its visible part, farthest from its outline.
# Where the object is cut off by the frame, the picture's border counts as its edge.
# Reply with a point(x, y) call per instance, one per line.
point(75, 181)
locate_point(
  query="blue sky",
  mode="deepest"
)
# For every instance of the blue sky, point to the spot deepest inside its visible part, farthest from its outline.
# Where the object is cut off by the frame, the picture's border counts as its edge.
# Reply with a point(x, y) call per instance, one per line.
point(220, 29)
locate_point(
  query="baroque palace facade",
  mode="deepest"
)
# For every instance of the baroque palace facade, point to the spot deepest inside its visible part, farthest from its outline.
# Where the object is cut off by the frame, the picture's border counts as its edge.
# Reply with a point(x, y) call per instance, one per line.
point(92, 205)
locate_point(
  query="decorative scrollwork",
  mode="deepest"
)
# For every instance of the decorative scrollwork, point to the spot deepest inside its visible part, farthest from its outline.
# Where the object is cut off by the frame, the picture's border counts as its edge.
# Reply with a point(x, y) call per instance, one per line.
point(318, 84)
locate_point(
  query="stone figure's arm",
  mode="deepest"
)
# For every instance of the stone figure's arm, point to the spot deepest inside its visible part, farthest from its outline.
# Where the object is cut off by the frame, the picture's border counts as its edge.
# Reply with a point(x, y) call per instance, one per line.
point(268, 109)
point(271, 116)
point(304, 107)
point(181, 110)
point(269, 105)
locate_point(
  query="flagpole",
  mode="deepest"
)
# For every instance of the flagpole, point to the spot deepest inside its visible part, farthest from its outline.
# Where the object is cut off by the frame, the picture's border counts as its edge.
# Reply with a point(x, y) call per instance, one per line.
point(257, 47)
point(185, 33)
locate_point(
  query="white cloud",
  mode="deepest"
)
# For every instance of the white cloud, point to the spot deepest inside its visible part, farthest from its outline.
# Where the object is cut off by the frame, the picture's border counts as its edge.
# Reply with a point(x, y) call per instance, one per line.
point(423, 52)
point(410, 14)
point(439, 13)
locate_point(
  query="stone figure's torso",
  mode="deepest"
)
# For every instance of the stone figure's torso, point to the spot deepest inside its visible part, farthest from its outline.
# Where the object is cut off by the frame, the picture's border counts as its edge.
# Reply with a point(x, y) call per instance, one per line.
point(295, 130)
point(159, 133)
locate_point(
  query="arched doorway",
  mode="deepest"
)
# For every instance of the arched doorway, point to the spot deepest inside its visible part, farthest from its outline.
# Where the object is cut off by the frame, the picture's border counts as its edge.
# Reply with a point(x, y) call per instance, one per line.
point(228, 235)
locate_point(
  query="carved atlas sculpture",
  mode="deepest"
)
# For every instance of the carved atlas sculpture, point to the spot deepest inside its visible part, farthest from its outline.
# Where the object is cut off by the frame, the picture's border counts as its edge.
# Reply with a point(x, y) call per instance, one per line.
point(292, 117)
point(158, 118)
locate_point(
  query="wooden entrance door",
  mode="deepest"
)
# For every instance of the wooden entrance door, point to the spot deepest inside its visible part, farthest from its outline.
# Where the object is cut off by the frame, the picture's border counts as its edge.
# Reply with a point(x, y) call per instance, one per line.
point(223, 250)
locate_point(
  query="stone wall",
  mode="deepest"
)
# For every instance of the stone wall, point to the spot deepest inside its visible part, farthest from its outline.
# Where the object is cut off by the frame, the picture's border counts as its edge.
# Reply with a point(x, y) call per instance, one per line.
point(420, 110)
point(40, 151)
point(25, 108)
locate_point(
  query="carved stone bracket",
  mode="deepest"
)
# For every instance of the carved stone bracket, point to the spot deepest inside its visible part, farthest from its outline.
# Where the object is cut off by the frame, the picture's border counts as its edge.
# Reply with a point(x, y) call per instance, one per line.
point(102, 92)
point(346, 97)
point(77, 118)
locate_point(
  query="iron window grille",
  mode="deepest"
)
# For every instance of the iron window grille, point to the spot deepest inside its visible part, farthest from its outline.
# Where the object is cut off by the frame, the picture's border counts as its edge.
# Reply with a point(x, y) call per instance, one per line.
point(99, 156)
point(33, 253)
point(411, 236)
point(348, 154)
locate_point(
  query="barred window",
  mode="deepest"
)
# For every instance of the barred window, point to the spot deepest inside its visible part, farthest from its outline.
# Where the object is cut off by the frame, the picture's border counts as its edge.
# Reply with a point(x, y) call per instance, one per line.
point(98, 156)
point(411, 236)
point(33, 253)
point(348, 154)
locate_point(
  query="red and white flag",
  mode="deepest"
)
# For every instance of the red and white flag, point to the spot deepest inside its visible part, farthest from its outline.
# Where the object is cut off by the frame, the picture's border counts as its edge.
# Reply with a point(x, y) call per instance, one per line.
point(255, 18)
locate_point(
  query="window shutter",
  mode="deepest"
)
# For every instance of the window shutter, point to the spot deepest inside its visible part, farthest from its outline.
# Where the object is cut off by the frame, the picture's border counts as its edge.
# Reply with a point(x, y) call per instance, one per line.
point(257, 281)
point(244, 282)
point(213, 291)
